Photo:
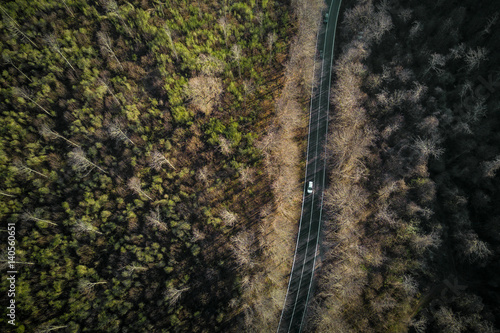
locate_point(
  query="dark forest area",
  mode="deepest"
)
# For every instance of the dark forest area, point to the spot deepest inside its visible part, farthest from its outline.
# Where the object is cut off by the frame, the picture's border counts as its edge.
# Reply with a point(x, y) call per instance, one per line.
point(412, 241)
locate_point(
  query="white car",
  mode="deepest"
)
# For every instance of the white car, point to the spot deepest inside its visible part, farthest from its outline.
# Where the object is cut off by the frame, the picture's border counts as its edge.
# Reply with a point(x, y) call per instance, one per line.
point(310, 187)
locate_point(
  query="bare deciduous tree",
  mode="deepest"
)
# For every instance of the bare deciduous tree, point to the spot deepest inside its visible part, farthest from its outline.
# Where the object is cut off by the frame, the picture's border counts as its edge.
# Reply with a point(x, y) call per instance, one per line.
point(237, 53)
point(82, 227)
point(204, 92)
point(448, 321)
point(428, 147)
point(135, 267)
point(429, 124)
point(423, 242)
point(203, 174)
point(492, 20)
point(158, 160)
point(26, 94)
point(413, 208)
point(385, 215)
point(463, 127)
point(436, 63)
point(410, 285)
point(260, 18)
point(106, 45)
point(348, 147)
point(248, 88)
point(241, 245)
point(224, 25)
point(110, 6)
point(355, 18)
point(45, 328)
point(419, 325)
point(388, 188)
point(418, 91)
point(22, 168)
point(382, 304)
point(405, 14)
point(476, 111)
point(225, 146)
point(381, 23)
point(86, 287)
point(8, 60)
point(116, 132)
point(472, 248)
point(15, 28)
point(154, 219)
point(68, 9)
point(104, 81)
point(52, 42)
point(197, 235)
point(246, 175)
point(48, 133)
point(170, 40)
point(4, 260)
point(458, 51)
point(474, 58)
point(348, 200)
point(80, 162)
point(271, 39)
point(174, 295)
point(490, 168)
point(35, 216)
point(465, 88)
point(134, 184)
point(210, 65)
point(112, 9)
point(228, 218)
point(7, 194)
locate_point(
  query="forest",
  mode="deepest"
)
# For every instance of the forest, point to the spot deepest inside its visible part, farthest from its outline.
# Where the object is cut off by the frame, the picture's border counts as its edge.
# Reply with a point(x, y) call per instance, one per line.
point(152, 155)
point(411, 242)
point(133, 160)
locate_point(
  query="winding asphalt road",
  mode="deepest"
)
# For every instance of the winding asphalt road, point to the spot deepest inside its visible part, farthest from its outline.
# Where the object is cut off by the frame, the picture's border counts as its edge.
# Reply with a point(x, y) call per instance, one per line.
point(307, 247)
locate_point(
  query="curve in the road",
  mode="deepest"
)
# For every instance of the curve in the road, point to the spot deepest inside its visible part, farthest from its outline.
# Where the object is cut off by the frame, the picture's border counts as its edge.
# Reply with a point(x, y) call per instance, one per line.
point(307, 247)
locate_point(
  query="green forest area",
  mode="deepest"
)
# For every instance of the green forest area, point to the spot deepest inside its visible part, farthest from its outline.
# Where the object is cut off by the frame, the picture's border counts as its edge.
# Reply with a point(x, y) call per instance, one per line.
point(412, 241)
point(129, 160)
